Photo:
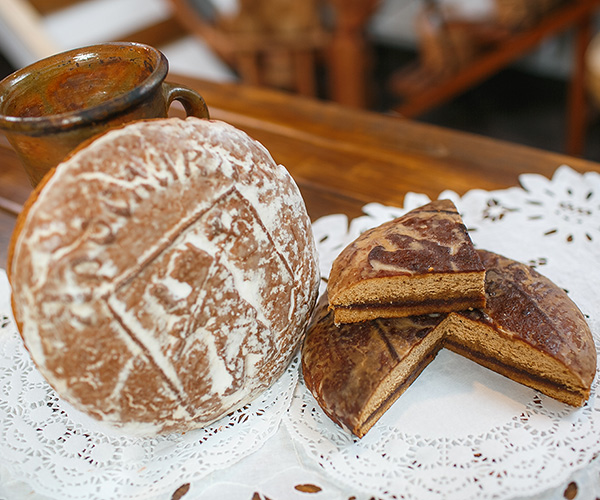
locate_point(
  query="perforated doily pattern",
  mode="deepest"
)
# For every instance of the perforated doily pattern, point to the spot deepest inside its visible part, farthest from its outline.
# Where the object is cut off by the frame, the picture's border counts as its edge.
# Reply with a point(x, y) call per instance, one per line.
point(461, 431)
point(61, 453)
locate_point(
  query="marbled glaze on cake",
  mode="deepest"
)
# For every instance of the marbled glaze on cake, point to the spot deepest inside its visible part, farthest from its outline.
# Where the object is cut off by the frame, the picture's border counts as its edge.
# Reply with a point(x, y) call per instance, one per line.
point(529, 331)
point(421, 262)
point(164, 274)
point(356, 371)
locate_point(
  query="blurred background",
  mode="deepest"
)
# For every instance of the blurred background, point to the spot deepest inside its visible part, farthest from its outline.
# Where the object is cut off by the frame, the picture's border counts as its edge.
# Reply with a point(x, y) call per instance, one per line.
point(518, 70)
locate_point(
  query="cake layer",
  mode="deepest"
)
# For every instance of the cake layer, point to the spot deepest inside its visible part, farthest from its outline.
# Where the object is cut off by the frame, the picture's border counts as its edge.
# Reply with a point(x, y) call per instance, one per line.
point(423, 257)
point(365, 312)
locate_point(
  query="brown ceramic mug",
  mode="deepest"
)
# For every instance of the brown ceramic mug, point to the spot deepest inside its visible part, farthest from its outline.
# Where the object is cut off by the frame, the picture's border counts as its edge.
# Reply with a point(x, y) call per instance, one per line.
point(50, 107)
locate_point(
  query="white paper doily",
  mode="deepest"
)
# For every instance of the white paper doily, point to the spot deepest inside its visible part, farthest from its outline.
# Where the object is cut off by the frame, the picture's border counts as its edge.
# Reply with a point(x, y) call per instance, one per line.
point(461, 431)
point(61, 453)
point(476, 435)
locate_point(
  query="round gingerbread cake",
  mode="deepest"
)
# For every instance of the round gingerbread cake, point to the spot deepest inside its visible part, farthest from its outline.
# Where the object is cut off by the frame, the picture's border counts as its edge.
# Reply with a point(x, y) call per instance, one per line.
point(163, 275)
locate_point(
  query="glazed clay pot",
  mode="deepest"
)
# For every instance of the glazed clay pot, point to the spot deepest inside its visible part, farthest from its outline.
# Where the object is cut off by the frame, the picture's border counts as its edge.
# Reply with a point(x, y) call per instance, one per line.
point(50, 107)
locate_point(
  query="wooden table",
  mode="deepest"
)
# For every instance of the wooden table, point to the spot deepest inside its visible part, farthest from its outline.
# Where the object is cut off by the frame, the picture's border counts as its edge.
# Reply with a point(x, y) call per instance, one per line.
point(341, 158)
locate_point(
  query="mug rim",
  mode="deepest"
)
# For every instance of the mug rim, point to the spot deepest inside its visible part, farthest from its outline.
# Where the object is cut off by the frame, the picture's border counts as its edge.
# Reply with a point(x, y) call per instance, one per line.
point(72, 119)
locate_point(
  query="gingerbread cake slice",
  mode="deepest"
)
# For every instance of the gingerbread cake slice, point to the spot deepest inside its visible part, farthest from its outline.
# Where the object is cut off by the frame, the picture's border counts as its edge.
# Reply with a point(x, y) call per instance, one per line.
point(529, 331)
point(357, 370)
point(419, 263)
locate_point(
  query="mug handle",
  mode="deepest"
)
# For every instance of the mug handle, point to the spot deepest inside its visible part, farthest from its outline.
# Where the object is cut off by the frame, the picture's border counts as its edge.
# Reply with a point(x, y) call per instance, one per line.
point(192, 102)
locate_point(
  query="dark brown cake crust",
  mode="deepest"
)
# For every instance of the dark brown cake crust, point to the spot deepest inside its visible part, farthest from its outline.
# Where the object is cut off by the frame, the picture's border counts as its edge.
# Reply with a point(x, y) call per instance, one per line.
point(428, 242)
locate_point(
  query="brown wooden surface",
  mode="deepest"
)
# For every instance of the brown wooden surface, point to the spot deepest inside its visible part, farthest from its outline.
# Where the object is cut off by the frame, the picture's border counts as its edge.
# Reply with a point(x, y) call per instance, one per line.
point(341, 158)
point(48, 6)
point(158, 34)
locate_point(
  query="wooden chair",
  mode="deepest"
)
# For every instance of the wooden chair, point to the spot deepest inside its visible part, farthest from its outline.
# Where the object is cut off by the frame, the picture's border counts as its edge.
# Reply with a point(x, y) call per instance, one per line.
point(487, 48)
point(350, 64)
point(276, 43)
point(280, 43)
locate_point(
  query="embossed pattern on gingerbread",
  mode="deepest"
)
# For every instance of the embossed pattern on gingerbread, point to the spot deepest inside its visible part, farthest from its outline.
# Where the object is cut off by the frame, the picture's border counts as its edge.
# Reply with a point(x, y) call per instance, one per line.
point(175, 281)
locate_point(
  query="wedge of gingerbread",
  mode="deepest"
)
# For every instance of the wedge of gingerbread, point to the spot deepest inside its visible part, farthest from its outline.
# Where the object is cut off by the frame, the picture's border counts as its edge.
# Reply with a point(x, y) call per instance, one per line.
point(420, 263)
